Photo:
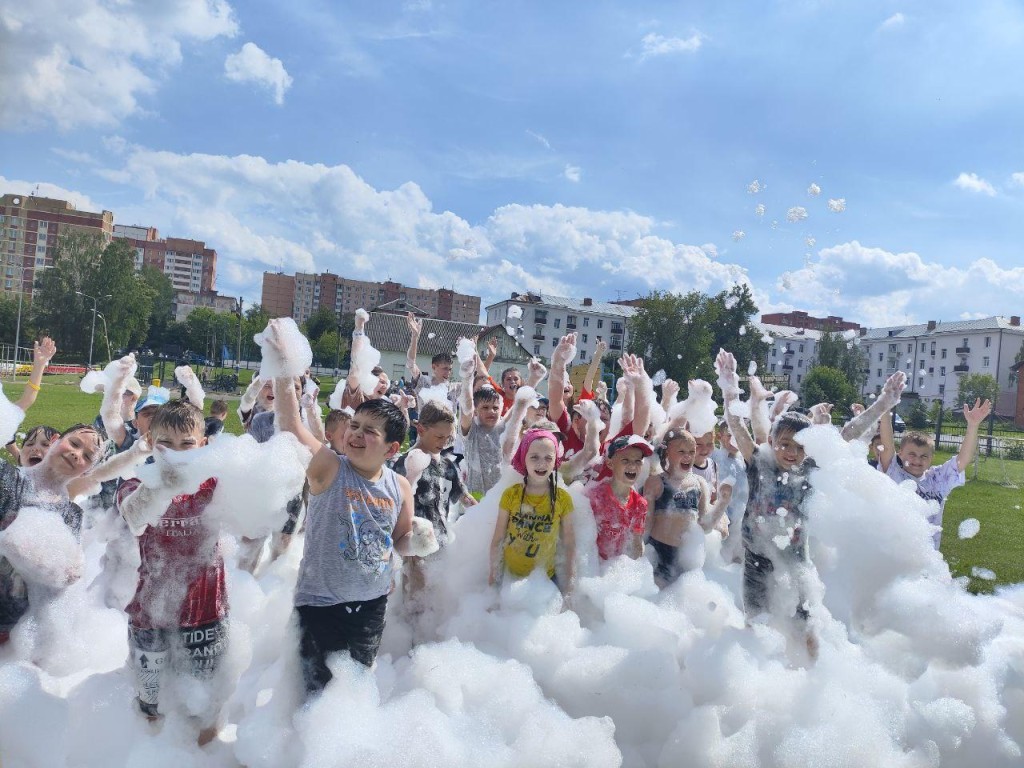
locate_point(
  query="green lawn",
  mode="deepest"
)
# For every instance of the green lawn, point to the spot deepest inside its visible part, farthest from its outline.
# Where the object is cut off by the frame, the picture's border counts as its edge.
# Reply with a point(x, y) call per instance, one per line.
point(995, 498)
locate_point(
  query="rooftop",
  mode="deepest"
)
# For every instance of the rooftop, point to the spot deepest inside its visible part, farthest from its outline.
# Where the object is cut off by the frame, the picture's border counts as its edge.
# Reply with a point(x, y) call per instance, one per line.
point(788, 332)
point(389, 333)
point(995, 323)
point(564, 302)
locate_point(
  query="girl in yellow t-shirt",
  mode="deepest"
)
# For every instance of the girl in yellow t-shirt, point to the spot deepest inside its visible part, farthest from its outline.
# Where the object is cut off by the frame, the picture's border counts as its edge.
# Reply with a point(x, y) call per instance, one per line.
point(532, 516)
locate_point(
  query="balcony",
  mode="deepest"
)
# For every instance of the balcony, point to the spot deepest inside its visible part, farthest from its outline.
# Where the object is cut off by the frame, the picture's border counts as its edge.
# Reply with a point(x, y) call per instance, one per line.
point(963, 350)
point(540, 319)
point(570, 326)
point(787, 367)
point(539, 336)
point(787, 351)
point(961, 368)
point(615, 344)
point(616, 328)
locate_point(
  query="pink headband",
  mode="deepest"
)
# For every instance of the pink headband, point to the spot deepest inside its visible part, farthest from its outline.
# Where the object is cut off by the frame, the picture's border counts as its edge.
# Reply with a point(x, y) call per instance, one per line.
point(519, 459)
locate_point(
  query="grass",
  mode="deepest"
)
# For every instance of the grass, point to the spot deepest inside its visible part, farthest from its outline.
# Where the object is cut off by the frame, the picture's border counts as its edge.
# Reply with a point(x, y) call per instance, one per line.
point(993, 494)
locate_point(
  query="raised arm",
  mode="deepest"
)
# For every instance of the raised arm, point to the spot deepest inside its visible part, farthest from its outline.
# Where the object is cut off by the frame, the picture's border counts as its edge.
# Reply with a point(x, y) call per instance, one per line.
point(111, 469)
point(484, 366)
point(415, 329)
point(514, 422)
point(535, 372)
point(358, 344)
point(760, 424)
point(314, 417)
point(110, 409)
point(669, 391)
point(974, 417)
point(248, 401)
point(560, 358)
point(147, 503)
point(888, 449)
point(717, 510)
point(193, 389)
point(595, 365)
point(591, 414)
point(861, 425)
point(729, 382)
point(42, 352)
point(642, 394)
point(467, 370)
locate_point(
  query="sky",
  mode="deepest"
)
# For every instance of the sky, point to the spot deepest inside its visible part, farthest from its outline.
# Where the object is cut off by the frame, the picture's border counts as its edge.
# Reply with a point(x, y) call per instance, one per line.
point(856, 158)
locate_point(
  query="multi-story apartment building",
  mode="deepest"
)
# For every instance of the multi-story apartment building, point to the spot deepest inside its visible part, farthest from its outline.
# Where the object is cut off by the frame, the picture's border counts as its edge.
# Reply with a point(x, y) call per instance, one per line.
point(188, 264)
point(29, 228)
point(935, 354)
point(546, 318)
point(186, 301)
point(300, 295)
point(791, 354)
point(800, 319)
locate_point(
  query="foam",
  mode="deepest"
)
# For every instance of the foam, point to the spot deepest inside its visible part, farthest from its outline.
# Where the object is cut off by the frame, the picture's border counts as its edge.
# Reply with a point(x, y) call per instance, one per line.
point(295, 356)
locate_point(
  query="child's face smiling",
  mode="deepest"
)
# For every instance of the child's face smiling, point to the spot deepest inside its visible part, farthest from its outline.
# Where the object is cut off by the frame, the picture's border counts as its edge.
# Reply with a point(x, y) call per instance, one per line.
point(705, 445)
point(626, 465)
point(34, 449)
point(916, 459)
point(73, 454)
point(365, 443)
point(489, 412)
point(177, 439)
point(788, 452)
point(680, 456)
point(540, 459)
point(435, 438)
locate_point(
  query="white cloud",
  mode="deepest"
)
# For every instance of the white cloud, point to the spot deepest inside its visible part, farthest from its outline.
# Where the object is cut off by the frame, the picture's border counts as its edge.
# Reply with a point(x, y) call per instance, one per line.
point(293, 216)
point(252, 65)
point(540, 139)
point(971, 182)
point(654, 44)
point(894, 21)
point(82, 158)
point(42, 189)
point(89, 62)
point(572, 172)
point(1017, 179)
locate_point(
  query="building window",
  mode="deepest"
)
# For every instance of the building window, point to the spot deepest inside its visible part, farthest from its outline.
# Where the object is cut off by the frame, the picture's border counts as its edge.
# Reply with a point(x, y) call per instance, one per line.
point(583, 354)
point(920, 382)
point(988, 341)
point(800, 363)
point(773, 367)
point(554, 342)
point(984, 362)
point(801, 347)
point(879, 374)
point(536, 348)
point(600, 322)
point(798, 377)
point(910, 348)
point(942, 389)
point(570, 322)
point(922, 346)
point(584, 340)
point(586, 322)
point(879, 358)
point(558, 322)
point(933, 348)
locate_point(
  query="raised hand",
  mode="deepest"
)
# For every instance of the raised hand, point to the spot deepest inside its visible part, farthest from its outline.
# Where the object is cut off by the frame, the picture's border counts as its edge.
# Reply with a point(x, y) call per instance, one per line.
point(535, 371)
point(492, 347)
point(588, 410)
point(979, 412)
point(669, 389)
point(600, 348)
point(565, 351)
point(728, 381)
point(43, 350)
point(821, 413)
point(757, 389)
point(415, 325)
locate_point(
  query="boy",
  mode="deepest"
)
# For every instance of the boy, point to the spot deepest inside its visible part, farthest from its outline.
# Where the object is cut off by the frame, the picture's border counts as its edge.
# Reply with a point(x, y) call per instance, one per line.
point(218, 415)
point(619, 511)
point(335, 427)
point(360, 514)
point(731, 465)
point(177, 620)
point(914, 461)
point(440, 366)
point(482, 430)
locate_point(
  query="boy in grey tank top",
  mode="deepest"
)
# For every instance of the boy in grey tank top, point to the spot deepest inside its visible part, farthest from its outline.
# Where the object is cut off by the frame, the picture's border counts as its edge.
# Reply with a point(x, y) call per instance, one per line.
point(360, 514)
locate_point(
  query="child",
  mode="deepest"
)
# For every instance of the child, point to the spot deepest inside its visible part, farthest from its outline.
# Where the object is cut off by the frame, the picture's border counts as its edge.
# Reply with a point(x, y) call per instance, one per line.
point(43, 352)
point(440, 366)
point(619, 511)
point(680, 500)
point(335, 427)
point(35, 445)
point(731, 466)
point(534, 516)
point(43, 484)
point(177, 620)
point(914, 461)
point(482, 429)
point(360, 513)
point(218, 415)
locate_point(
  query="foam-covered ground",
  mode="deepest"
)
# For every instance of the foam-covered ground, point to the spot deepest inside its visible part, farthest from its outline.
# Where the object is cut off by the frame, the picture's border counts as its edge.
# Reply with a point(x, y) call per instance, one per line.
point(913, 671)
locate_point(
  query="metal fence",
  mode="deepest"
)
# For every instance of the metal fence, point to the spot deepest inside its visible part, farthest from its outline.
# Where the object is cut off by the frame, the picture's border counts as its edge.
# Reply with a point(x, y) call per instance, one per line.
point(998, 435)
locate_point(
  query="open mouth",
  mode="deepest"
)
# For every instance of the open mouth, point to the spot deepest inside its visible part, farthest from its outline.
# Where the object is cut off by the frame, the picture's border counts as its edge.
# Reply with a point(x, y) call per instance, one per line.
point(631, 475)
point(33, 460)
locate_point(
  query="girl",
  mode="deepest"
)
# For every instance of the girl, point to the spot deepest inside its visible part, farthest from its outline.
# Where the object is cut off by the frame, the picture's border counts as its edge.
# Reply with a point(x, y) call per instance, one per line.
point(35, 445)
point(533, 516)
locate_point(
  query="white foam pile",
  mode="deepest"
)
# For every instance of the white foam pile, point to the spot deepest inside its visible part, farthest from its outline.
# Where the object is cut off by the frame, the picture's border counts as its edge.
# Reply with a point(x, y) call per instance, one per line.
point(968, 528)
point(97, 381)
point(295, 355)
point(515, 312)
point(913, 671)
point(41, 548)
point(11, 417)
point(698, 409)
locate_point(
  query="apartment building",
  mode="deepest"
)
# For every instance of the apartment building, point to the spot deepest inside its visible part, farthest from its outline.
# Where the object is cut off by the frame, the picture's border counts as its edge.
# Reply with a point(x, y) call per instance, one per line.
point(791, 354)
point(186, 301)
point(300, 295)
point(546, 318)
point(188, 264)
point(800, 319)
point(29, 228)
point(935, 354)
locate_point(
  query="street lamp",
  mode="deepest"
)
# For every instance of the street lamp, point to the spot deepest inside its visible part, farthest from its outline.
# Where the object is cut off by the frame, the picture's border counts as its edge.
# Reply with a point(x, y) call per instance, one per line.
point(106, 335)
point(92, 334)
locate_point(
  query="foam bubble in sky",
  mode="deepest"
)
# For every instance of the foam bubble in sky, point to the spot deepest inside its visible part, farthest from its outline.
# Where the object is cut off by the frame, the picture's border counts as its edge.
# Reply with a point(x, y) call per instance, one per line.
point(810, 241)
point(759, 209)
point(814, 190)
point(96, 381)
point(968, 528)
point(755, 187)
point(837, 205)
point(743, 330)
point(751, 368)
point(514, 311)
point(796, 213)
point(659, 377)
point(431, 335)
point(731, 301)
point(738, 235)
point(465, 350)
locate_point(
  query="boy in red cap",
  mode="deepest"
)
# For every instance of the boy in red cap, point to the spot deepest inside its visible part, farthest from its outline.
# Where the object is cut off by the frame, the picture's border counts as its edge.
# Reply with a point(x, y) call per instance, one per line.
point(619, 511)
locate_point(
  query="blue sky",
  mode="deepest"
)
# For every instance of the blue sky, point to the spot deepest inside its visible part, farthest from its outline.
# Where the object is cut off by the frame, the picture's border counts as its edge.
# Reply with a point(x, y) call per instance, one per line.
point(588, 148)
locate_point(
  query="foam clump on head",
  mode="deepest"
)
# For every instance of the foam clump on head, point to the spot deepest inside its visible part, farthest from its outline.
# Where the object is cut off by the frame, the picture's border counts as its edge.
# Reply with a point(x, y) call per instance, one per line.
point(294, 357)
point(698, 408)
point(465, 351)
point(42, 548)
point(98, 381)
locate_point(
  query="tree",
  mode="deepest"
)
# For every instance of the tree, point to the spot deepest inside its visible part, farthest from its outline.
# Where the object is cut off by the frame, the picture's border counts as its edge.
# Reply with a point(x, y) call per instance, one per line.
point(130, 305)
point(162, 314)
point(319, 323)
point(680, 333)
point(9, 321)
point(327, 351)
point(977, 385)
point(833, 351)
point(823, 384)
point(917, 416)
point(57, 309)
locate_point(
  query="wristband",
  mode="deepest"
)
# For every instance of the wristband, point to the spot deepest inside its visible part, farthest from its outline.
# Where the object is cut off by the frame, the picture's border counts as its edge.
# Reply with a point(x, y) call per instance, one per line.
point(36, 387)
point(358, 333)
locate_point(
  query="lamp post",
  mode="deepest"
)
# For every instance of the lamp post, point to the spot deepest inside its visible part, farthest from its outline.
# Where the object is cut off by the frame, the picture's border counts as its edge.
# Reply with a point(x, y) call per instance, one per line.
point(106, 335)
point(92, 334)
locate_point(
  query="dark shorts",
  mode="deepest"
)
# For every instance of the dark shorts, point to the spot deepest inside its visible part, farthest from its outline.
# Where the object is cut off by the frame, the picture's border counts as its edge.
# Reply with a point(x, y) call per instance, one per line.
point(758, 575)
point(354, 627)
point(194, 651)
point(667, 567)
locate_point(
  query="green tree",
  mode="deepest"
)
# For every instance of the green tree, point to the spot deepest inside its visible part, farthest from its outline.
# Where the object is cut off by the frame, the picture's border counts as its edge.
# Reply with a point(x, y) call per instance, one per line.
point(162, 314)
point(319, 323)
point(327, 351)
point(833, 351)
point(974, 386)
point(9, 321)
point(681, 333)
point(57, 309)
point(917, 416)
point(823, 384)
point(130, 305)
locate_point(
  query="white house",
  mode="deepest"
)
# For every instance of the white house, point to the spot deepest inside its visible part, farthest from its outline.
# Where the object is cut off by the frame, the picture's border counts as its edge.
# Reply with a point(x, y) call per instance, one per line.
point(790, 356)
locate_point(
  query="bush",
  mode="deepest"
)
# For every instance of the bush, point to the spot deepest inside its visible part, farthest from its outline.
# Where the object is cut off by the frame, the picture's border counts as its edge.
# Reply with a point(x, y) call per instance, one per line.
point(1015, 451)
point(917, 417)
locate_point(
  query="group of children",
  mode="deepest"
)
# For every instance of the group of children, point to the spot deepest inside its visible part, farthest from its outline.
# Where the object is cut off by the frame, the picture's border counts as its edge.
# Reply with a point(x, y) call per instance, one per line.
point(652, 486)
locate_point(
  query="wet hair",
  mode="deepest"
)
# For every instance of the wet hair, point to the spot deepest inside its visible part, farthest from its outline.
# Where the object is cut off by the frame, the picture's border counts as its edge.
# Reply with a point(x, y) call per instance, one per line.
point(178, 416)
point(85, 428)
point(441, 358)
point(49, 433)
point(395, 423)
point(485, 395)
point(377, 370)
point(672, 436)
point(218, 407)
point(335, 417)
point(919, 439)
point(789, 423)
point(435, 413)
point(549, 425)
